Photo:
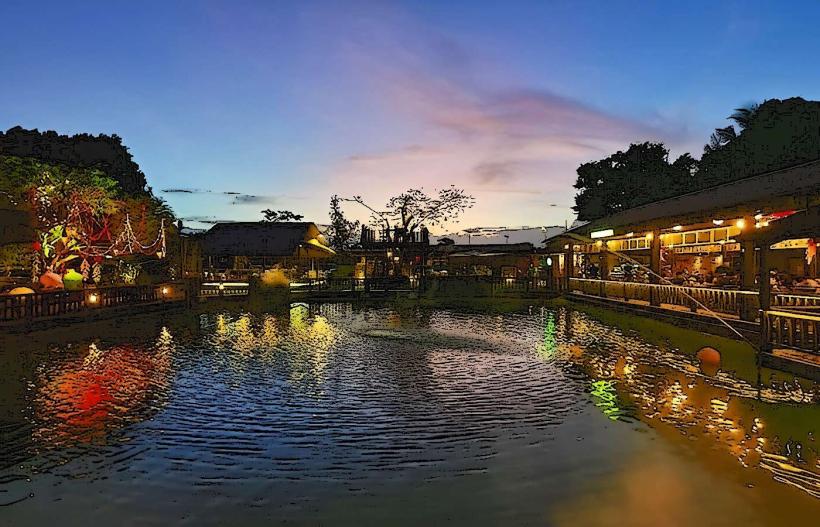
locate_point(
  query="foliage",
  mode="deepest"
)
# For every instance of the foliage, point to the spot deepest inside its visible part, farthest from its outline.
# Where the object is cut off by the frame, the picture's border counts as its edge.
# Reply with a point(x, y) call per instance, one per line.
point(76, 211)
point(639, 175)
point(105, 153)
point(413, 209)
point(277, 216)
point(775, 134)
point(342, 233)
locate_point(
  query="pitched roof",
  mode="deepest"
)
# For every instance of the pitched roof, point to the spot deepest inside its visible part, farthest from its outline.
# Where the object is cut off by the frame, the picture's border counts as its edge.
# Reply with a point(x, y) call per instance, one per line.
point(257, 238)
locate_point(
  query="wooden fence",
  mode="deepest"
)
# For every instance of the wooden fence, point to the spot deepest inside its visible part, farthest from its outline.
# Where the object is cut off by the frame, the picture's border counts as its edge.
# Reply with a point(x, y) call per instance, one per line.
point(793, 330)
point(56, 303)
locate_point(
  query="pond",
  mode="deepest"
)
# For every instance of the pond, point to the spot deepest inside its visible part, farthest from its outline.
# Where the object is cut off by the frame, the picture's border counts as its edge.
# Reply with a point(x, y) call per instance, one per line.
point(400, 415)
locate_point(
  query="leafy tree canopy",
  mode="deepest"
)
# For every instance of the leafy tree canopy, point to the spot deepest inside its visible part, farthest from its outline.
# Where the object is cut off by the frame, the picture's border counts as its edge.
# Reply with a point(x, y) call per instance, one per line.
point(103, 152)
point(765, 137)
point(276, 216)
point(342, 232)
point(639, 175)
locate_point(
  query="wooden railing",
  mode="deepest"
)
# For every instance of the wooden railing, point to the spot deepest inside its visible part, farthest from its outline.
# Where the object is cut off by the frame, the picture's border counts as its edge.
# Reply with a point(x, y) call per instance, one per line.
point(724, 301)
point(217, 289)
point(55, 303)
point(796, 301)
point(788, 329)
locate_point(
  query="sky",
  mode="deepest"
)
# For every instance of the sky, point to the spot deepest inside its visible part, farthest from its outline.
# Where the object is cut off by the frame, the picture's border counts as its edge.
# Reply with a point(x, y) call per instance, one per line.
point(233, 107)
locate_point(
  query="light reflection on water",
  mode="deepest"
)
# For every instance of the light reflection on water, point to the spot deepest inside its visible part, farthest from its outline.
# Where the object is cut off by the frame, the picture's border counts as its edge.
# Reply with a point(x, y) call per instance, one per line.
point(333, 401)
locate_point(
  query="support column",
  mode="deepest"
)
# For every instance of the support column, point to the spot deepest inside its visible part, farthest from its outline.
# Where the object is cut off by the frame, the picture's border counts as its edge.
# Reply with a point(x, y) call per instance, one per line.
point(765, 300)
point(654, 266)
point(569, 267)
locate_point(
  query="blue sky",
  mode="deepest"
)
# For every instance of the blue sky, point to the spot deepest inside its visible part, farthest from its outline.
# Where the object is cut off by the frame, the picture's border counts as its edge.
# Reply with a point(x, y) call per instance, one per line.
point(291, 102)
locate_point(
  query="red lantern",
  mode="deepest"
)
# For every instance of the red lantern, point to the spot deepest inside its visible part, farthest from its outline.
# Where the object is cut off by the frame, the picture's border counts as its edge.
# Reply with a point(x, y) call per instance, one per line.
point(37, 246)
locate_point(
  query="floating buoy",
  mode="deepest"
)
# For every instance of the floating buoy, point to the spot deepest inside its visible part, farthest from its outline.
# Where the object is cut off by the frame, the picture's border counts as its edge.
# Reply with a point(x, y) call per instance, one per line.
point(709, 359)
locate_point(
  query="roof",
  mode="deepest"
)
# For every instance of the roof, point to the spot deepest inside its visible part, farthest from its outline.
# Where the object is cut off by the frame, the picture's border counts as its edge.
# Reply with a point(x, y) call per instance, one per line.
point(790, 188)
point(261, 239)
point(804, 224)
point(484, 249)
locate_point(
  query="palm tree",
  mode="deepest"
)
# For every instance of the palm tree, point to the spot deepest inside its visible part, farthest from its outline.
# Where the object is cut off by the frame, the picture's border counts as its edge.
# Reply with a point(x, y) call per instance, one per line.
point(744, 116)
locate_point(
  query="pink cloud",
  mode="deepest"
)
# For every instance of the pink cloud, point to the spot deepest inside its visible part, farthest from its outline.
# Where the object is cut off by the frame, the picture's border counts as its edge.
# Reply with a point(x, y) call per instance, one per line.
point(498, 142)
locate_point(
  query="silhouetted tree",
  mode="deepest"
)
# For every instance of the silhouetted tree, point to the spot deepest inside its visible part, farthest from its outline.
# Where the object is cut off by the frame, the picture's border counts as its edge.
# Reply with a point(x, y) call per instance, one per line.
point(342, 233)
point(775, 134)
point(639, 175)
point(277, 216)
point(102, 152)
point(413, 209)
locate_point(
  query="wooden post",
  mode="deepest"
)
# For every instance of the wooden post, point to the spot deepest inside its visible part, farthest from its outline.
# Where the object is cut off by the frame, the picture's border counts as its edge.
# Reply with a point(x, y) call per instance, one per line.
point(765, 300)
point(569, 267)
point(654, 266)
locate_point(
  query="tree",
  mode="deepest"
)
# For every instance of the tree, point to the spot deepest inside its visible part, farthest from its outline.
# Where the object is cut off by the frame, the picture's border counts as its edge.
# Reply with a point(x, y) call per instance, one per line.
point(279, 216)
point(342, 232)
point(413, 209)
point(639, 175)
point(103, 152)
point(775, 134)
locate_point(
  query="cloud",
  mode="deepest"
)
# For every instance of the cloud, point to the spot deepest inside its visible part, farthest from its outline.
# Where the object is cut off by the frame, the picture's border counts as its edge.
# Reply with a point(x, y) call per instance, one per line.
point(236, 198)
point(496, 139)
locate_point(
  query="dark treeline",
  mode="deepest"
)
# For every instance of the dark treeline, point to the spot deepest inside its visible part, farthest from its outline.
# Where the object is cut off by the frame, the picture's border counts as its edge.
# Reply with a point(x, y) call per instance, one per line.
point(761, 138)
point(103, 152)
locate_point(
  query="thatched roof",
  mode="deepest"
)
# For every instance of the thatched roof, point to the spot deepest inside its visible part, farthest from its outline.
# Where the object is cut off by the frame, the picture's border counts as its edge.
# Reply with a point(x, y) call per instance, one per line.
point(290, 239)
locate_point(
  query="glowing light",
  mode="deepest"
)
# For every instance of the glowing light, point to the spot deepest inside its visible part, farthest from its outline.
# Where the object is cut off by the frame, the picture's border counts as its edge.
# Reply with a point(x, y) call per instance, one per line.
point(602, 234)
point(599, 243)
point(649, 235)
point(165, 290)
point(566, 246)
point(630, 234)
point(717, 222)
point(758, 216)
point(677, 228)
point(549, 260)
point(740, 224)
point(93, 298)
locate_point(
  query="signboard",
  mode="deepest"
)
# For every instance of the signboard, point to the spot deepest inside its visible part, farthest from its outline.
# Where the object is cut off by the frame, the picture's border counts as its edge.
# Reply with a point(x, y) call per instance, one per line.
point(712, 248)
point(801, 243)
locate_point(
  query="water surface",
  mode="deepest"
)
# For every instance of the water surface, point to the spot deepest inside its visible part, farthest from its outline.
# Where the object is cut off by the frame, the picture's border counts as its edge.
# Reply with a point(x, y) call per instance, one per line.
point(334, 414)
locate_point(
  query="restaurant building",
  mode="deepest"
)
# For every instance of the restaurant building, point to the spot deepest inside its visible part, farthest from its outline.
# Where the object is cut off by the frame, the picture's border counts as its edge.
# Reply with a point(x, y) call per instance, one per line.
point(696, 238)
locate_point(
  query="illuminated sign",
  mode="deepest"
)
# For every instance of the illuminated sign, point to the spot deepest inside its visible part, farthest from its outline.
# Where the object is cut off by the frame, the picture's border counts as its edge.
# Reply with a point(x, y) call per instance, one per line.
point(602, 234)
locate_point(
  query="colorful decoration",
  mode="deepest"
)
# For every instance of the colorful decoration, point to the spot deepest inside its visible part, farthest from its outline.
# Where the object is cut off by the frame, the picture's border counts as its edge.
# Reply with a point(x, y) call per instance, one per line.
point(51, 280)
point(72, 280)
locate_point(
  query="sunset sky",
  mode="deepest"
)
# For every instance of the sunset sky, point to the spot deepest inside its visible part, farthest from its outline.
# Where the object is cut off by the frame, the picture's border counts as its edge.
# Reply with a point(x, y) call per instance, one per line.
point(287, 103)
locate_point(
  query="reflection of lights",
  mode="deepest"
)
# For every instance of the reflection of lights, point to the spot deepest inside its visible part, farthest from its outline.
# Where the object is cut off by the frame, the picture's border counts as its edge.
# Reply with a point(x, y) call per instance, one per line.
point(604, 391)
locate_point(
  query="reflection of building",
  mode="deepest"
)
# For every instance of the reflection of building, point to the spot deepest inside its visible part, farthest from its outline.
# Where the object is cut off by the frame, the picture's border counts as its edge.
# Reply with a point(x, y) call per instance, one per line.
point(248, 247)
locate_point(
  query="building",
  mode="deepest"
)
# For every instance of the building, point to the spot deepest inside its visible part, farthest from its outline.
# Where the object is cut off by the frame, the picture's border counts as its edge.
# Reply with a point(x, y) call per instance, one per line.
point(697, 234)
point(243, 248)
point(505, 260)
